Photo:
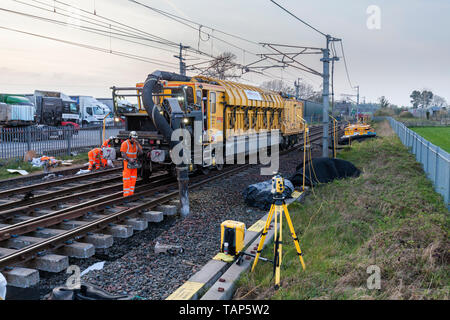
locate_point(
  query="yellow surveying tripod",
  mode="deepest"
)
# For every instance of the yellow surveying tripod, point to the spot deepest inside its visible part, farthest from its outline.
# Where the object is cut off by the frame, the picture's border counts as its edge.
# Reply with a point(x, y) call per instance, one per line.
point(278, 207)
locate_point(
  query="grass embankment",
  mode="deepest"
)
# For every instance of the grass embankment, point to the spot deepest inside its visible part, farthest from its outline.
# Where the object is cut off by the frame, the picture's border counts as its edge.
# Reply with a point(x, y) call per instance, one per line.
point(439, 136)
point(390, 216)
point(23, 165)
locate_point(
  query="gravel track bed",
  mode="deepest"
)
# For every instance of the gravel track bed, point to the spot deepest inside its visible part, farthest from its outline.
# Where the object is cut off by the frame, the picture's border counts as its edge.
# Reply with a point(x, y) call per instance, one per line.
point(131, 265)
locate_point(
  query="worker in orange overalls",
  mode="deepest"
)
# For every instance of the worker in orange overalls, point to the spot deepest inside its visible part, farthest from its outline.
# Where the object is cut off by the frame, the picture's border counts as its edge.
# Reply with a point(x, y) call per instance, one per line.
point(95, 156)
point(107, 144)
point(129, 150)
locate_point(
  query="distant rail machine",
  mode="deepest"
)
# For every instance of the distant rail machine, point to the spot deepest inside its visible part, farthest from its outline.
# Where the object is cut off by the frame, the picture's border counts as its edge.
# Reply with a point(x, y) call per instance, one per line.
point(355, 132)
point(223, 111)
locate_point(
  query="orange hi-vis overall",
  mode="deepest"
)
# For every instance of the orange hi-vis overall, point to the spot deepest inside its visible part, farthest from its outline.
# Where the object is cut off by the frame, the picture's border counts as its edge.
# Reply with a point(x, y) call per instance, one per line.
point(95, 156)
point(129, 175)
point(105, 145)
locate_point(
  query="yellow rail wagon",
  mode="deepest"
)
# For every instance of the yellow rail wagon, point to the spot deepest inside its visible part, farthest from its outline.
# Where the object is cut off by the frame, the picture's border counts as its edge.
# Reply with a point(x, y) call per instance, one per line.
point(219, 114)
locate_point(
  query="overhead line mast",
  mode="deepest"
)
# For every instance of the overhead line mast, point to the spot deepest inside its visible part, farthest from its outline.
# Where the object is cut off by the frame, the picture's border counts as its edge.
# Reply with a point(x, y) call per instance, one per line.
point(326, 59)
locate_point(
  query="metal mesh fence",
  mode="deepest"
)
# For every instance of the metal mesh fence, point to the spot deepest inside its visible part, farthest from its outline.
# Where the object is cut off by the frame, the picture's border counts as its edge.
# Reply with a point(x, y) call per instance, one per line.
point(16, 142)
point(435, 161)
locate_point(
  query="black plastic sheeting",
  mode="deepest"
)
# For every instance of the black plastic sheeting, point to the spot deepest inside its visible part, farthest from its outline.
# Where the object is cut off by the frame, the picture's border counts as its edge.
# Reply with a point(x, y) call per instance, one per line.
point(324, 170)
point(345, 141)
point(260, 195)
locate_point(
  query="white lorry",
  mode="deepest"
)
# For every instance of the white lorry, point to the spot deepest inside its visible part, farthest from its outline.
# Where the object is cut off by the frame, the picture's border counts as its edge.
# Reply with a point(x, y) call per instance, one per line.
point(92, 111)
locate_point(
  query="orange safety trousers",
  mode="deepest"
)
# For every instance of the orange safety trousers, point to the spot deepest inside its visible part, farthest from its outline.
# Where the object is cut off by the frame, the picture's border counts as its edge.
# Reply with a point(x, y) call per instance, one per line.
point(94, 158)
point(129, 175)
point(129, 180)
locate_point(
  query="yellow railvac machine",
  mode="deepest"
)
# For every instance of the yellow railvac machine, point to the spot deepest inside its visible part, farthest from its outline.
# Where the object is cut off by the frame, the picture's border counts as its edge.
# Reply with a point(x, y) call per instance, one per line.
point(232, 235)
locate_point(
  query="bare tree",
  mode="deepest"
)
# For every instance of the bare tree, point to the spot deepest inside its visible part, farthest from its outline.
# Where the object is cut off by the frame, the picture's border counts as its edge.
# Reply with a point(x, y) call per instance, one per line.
point(278, 86)
point(439, 101)
point(384, 103)
point(223, 67)
point(306, 91)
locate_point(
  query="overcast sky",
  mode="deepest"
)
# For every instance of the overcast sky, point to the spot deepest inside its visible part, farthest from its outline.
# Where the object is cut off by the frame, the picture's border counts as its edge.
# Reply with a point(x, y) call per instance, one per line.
point(409, 51)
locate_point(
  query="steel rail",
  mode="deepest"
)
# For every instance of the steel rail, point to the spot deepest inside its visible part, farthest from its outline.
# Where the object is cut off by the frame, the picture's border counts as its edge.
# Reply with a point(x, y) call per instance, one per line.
point(54, 183)
point(57, 241)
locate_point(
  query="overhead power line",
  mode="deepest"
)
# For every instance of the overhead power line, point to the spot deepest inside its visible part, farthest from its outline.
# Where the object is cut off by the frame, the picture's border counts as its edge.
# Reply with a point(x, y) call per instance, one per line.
point(104, 50)
point(345, 65)
point(301, 20)
point(199, 25)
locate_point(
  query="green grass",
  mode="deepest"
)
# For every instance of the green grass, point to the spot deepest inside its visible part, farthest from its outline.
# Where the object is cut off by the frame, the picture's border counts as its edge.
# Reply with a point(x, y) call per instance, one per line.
point(439, 136)
point(390, 216)
point(22, 165)
point(18, 165)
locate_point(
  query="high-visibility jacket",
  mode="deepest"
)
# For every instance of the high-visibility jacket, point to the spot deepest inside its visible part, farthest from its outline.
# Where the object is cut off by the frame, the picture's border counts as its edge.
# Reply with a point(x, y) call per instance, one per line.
point(97, 153)
point(130, 149)
point(95, 157)
point(129, 175)
point(106, 144)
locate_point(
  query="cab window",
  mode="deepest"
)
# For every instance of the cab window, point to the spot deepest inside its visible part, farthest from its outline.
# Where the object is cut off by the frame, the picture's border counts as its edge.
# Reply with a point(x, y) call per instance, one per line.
point(73, 108)
point(189, 92)
point(199, 97)
point(213, 102)
point(89, 111)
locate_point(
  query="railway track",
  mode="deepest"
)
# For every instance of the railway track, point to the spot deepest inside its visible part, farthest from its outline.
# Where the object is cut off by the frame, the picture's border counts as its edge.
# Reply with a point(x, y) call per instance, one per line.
point(40, 233)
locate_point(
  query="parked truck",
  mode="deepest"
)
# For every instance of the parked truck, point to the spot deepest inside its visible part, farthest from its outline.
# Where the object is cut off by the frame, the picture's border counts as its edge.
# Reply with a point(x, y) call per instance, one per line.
point(92, 111)
point(55, 109)
point(16, 111)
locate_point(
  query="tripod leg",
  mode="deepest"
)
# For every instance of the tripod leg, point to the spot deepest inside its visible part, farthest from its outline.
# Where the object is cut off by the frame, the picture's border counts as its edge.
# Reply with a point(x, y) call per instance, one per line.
point(294, 236)
point(279, 250)
point(263, 236)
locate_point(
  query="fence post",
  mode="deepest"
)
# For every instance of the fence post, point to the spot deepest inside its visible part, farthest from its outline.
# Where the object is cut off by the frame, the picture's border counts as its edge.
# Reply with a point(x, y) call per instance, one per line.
point(436, 166)
point(69, 139)
point(101, 136)
point(448, 184)
point(28, 132)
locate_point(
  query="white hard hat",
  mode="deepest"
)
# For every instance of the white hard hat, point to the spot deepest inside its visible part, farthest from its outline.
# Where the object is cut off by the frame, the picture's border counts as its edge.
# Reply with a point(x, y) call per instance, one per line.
point(133, 134)
point(112, 138)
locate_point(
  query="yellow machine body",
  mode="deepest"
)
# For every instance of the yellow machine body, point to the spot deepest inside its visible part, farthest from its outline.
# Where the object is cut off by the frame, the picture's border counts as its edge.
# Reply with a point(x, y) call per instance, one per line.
point(358, 129)
point(234, 109)
point(232, 235)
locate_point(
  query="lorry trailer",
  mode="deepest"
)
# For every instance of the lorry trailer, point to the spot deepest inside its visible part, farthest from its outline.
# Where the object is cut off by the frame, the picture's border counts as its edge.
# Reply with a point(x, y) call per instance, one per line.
point(16, 111)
